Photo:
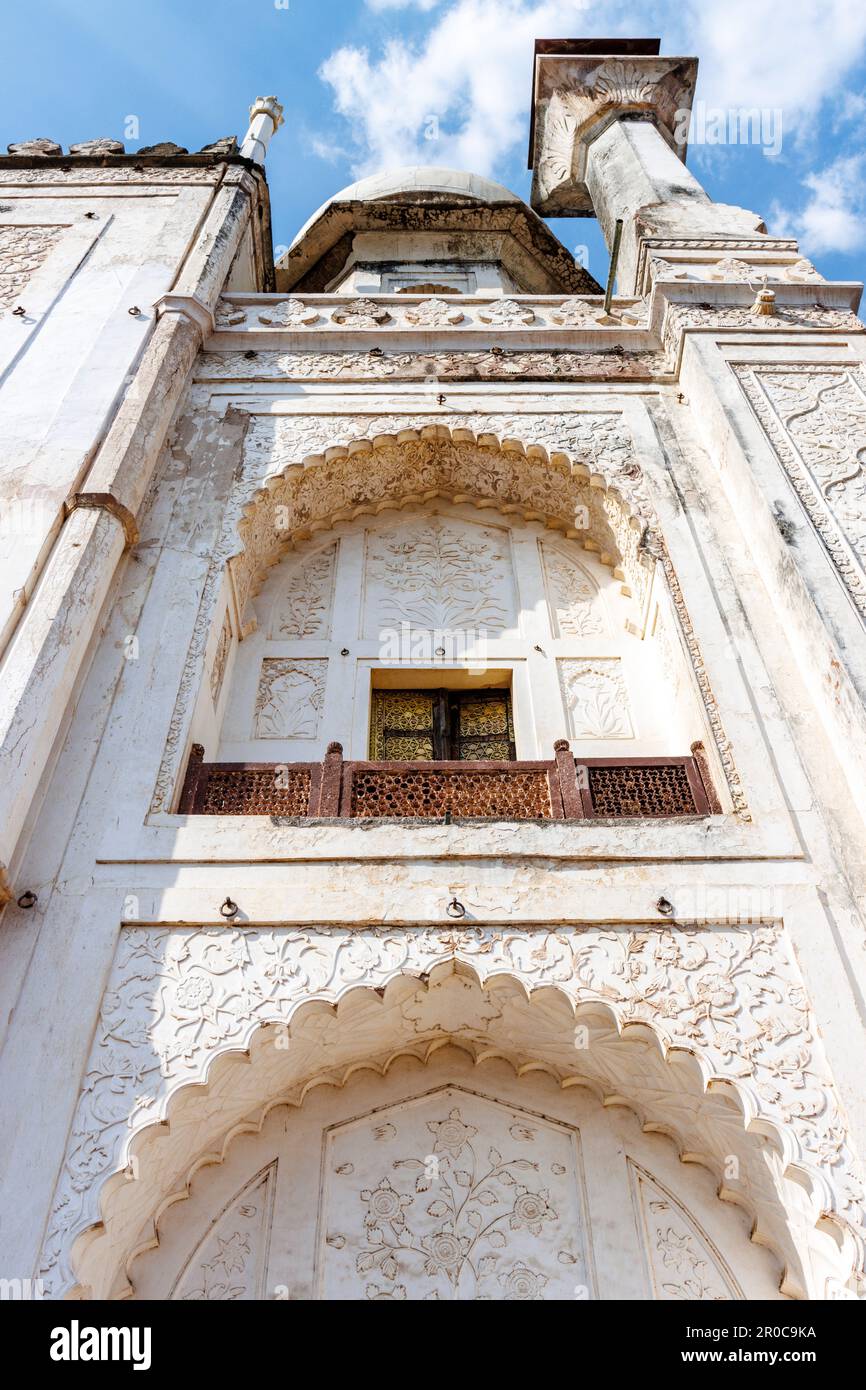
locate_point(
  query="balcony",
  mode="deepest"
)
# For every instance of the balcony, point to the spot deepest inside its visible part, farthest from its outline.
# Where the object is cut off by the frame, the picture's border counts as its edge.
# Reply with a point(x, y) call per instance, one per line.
point(563, 789)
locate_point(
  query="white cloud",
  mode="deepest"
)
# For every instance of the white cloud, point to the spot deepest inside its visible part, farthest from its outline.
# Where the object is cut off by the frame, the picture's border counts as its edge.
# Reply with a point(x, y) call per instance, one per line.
point(472, 73)
point(832, 219)
point(762, 53)
point(472, 70)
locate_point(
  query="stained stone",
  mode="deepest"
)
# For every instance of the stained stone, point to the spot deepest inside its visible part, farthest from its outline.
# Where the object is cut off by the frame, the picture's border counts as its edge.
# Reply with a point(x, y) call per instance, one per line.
point(104, 145)
point(41, 146)
point(227, 145)
point(165, 147)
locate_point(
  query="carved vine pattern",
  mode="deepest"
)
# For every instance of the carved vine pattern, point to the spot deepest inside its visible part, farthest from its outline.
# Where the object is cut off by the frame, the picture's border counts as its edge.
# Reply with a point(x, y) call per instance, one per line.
point(177, 998)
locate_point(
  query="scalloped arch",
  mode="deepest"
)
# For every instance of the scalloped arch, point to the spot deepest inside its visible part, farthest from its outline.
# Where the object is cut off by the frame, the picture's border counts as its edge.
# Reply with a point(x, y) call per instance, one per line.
point(673, 1089)
point(606, 510)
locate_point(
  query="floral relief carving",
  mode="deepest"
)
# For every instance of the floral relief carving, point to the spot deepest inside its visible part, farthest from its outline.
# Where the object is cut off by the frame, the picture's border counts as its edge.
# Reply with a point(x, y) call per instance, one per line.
point(361, 313)
point(575, 313)
point(483, 364)
point(596, 698)
point(228, 1264)
point(289, 313)
point(179, 997)
point(434, 313)
point(290, 697)
point(573, 596)
point(507, 313)
point(683, 1261)
point(22, 252)
point(303, 608)
point(815, 419)
point(475, 1206)
point(439, 575)
point(220, 660)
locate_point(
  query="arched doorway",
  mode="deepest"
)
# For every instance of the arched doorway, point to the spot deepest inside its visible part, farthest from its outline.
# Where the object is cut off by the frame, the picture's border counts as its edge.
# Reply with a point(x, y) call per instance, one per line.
point(454, 1180)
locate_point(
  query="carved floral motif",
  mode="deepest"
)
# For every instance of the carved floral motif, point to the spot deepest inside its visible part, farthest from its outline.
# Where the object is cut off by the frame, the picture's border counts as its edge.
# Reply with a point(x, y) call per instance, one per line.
point(303, 608)
point(468, 1197)
point(228, 1265)
point(22, 252)
point(596, 698)
point(290, 697)
point(434, 313)
point(574, 599)
point(684, 1263)
point(178, 998)
point(507, 313)
point(439, 576)
point(289, 313)
point(361, 313)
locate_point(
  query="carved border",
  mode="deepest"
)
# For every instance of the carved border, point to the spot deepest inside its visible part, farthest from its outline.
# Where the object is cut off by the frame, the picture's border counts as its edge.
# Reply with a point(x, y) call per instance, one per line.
point(833, 538)
point(730, 996)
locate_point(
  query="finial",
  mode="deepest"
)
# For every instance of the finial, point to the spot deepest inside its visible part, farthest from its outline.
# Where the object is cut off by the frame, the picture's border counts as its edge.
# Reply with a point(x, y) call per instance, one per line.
point(266, 117)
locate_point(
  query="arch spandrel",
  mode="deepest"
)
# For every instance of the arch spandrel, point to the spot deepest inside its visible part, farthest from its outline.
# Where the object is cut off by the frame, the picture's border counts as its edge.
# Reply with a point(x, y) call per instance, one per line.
point(195, 1014)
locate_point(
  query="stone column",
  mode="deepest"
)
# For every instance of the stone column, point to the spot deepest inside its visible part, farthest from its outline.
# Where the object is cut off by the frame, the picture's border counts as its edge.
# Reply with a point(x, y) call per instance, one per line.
point(609, 137)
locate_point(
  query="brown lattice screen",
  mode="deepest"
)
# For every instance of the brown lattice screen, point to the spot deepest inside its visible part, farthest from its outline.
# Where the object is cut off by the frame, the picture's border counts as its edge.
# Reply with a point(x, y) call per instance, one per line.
point(648, 790)
point(461, 788)
point(502, 793)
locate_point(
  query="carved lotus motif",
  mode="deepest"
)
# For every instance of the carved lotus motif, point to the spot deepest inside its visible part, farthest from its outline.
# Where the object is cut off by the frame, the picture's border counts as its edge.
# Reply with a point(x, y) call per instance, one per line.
point(289, 313)
point(623, 83)
point(731, 268)
point(361, 313)
point(227, 315)
point(507, 313)
point(434, 313)
point(523, 1285)
point(451, 1134)
point(574, 313)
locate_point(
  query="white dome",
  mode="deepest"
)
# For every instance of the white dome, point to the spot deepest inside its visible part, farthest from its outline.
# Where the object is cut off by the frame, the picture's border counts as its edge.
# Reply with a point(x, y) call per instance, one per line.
point(418, 179)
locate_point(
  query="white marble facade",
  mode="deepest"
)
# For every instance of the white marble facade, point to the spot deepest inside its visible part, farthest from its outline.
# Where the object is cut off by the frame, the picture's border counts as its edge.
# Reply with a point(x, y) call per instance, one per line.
point(437, 461)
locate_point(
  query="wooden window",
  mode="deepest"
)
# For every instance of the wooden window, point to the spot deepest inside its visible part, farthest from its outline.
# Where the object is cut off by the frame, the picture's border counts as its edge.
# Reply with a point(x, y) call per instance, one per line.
point(442, 725)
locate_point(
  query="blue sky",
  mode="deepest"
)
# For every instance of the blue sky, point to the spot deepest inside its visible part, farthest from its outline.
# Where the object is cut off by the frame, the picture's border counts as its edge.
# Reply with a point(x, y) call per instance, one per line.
point(360, 80)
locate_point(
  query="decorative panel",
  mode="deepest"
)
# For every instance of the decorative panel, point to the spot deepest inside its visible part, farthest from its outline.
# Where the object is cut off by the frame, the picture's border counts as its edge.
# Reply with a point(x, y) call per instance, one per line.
point(815, 418)
point(682, 1261)
point(221, 657)
point(596, 698)
point(452, 1196)
point(22, 252)
point(402, 725)
point(230, 1263)
point(290, 697)
point(573, 597)
point(303, 606)
point(435, 575)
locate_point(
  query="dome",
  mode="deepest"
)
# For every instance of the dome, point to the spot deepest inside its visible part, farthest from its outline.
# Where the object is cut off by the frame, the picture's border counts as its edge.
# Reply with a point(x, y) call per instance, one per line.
point(427, 215)
point(417, 183)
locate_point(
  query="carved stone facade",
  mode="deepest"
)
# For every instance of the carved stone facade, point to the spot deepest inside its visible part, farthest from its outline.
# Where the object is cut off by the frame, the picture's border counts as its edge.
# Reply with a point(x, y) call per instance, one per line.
point(732, 998)
point(431, 1008)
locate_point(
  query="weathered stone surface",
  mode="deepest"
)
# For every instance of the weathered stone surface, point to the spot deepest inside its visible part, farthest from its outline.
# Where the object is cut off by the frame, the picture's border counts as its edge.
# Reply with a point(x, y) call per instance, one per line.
point(104, 145)
point(227, 145)
point(165, 147)
point(41, 145)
